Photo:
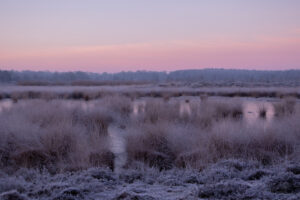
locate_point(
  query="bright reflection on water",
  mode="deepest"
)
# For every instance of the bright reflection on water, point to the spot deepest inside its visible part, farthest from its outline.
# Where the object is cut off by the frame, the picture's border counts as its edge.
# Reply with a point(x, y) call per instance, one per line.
point(251, 112)
point(117, 147)
point(5, 105)
point(138, 107)
point(185, 108)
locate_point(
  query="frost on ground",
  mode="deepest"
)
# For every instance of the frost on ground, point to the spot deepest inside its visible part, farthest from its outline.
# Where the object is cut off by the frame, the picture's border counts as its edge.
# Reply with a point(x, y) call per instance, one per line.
point(60, 150)
point(227, 179)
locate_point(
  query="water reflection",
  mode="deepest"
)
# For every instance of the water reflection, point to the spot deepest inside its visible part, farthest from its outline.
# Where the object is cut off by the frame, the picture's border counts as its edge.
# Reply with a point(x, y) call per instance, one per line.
point(5, 105)
point(117, 147)
point(185, 108)
point(254, 111)
point(138, 107)
point(251, 108)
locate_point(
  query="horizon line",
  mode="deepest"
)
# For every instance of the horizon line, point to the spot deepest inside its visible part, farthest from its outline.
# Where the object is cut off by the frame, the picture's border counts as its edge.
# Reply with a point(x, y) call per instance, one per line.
point(145, 70)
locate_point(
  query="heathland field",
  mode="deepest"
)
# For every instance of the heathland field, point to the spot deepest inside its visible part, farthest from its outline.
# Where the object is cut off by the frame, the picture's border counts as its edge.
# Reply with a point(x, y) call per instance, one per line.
point(148, 141)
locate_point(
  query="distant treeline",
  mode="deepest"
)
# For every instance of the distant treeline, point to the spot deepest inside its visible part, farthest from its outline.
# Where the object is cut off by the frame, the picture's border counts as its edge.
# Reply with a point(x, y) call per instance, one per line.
point(203, 75)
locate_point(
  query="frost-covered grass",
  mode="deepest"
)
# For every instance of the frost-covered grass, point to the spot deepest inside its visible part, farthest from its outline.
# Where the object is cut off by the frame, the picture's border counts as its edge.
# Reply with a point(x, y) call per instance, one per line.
point(61, 135)
point(120, 147)
point(189, 144)
point(57, 136)
point(226, 179)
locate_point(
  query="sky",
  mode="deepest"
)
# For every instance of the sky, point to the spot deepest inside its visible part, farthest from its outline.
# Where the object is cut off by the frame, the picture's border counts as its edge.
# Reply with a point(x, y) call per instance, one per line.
point(160, 35)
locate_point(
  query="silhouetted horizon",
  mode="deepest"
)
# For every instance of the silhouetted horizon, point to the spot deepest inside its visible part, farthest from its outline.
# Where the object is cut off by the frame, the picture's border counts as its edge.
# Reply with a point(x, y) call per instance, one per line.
point(209, 75)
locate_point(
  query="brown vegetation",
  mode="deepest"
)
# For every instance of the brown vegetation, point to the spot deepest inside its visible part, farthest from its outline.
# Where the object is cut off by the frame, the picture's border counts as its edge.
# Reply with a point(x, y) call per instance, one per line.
point(68, 135)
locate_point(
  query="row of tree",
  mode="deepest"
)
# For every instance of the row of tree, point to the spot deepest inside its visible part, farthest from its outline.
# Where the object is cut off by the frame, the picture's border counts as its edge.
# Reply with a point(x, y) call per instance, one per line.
point(203, 75)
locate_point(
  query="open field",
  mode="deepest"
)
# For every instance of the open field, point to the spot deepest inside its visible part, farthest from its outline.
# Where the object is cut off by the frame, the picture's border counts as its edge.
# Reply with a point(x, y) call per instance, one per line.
point(149, 141)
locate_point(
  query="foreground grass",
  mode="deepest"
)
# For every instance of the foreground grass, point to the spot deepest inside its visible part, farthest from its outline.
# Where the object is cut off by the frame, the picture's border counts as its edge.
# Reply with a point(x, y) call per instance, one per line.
point(226, 179)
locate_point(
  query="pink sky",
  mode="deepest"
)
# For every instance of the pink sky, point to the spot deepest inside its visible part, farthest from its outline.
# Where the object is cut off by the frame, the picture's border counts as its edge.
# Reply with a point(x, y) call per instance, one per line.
point(111, 36)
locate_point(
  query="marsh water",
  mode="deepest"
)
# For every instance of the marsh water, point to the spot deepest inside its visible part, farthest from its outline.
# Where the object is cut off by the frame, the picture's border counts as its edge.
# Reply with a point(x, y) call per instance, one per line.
point(251, 112)
point(117, 147)
point(251, 108)
point(5, 104)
